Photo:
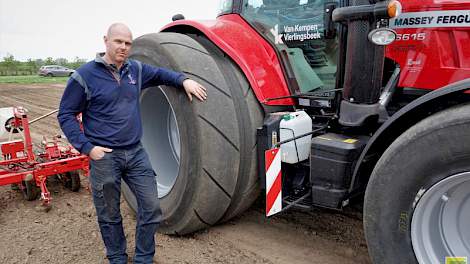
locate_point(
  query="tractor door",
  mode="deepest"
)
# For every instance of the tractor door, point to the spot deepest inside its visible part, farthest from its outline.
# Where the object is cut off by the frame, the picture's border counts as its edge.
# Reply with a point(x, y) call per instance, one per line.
point(302, 34)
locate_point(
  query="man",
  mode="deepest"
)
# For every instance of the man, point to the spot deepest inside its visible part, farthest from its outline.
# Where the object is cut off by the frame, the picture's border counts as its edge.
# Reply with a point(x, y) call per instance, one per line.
point(106, 92)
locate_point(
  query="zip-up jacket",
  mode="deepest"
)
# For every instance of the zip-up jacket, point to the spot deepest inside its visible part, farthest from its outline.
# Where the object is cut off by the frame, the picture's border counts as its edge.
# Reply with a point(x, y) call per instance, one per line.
point(109, 102)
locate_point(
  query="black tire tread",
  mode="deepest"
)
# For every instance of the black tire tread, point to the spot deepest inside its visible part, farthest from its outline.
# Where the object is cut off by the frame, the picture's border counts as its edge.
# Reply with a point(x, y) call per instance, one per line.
point(221, 133)
point(249, 117)
point(200, 219)
point(206, 81)
point(185, 45)
point(216, 183)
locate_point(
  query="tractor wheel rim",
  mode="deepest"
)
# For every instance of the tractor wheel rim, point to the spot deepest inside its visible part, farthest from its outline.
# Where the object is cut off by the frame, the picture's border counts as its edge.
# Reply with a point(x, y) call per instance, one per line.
point(161, 138)
point(174, 135)
point(439, 226)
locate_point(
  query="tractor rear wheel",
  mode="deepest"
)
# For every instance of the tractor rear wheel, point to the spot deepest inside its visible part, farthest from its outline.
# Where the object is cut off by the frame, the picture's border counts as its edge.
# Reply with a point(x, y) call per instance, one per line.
point(203, 153)
point(417, 202)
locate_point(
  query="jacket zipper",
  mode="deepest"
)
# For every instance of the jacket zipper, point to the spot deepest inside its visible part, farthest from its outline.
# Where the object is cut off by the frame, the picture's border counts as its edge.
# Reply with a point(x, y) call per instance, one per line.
point(115, 76)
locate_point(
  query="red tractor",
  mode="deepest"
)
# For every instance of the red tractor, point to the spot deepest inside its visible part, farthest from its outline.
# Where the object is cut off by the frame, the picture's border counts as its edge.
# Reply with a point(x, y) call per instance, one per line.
point(319, 103)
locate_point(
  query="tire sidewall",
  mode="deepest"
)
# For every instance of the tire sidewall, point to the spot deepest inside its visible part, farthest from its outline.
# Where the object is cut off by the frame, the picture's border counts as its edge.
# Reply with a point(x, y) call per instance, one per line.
point(175, 205)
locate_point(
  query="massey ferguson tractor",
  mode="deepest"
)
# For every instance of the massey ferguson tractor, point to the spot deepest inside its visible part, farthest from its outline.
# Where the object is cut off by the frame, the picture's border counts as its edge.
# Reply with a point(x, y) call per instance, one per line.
point(319, 103)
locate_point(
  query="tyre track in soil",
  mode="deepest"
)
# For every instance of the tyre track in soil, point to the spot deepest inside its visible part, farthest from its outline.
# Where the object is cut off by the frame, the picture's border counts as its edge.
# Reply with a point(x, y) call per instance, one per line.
point(69, 232)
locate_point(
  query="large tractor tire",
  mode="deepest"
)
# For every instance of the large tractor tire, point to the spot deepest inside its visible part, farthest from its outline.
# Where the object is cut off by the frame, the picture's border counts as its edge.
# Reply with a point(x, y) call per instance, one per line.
point(417, 202)
point(203, 153)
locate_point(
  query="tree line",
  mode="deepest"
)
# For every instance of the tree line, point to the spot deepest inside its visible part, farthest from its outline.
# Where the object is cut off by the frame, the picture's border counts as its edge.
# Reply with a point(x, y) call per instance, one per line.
point(9, 66)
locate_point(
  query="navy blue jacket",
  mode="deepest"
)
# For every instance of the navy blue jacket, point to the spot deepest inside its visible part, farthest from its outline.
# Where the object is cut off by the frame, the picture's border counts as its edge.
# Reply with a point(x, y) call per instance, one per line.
point(109, 103)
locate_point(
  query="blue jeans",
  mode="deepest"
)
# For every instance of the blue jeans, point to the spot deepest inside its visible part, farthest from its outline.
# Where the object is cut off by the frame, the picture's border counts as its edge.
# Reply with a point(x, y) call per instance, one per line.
point(133, 166)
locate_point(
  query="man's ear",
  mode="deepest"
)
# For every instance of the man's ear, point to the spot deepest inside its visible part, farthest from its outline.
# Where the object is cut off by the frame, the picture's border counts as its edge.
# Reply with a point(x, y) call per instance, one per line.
point(105, 39)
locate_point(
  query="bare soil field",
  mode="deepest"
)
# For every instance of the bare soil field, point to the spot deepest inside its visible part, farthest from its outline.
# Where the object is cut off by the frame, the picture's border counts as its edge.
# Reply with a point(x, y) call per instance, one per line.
point(69, 233)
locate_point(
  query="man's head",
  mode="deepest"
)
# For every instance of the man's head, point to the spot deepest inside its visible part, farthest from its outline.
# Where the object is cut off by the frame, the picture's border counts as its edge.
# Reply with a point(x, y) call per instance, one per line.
point(118, 43)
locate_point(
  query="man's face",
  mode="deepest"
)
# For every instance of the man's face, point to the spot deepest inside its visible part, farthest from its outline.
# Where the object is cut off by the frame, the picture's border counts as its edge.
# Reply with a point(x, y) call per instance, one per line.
point(118, 45)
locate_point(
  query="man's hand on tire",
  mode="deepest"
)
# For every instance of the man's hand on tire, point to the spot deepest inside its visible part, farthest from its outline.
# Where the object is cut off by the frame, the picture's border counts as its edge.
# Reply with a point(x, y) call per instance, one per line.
point(193, 88)
point(98, 152)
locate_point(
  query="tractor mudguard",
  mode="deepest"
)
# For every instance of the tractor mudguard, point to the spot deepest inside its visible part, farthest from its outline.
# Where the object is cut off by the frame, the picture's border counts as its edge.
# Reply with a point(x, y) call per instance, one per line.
point(252, 53)
point(406, 117)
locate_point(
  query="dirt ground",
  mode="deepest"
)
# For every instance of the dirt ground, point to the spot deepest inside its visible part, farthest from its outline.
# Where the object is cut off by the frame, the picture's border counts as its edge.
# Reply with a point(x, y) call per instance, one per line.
point(69, 233)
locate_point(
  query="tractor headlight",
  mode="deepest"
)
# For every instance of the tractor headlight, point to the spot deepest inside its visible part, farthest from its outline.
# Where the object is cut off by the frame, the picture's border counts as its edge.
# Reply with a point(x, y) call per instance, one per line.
point(382, 36)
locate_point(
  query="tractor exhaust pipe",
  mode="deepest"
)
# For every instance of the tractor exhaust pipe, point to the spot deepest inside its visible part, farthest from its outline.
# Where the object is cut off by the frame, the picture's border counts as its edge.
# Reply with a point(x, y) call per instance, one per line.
point(364, 60)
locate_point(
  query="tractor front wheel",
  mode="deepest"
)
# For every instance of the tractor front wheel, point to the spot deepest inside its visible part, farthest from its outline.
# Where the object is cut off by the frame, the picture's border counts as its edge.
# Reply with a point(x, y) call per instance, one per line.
point(417, 202)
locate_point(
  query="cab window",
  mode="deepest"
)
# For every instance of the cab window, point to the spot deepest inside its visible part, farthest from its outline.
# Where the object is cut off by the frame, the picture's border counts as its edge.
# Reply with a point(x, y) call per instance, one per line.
point(297, 28)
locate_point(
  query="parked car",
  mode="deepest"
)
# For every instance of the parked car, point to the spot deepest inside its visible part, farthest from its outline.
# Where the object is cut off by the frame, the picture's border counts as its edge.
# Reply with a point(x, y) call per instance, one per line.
point(55, 70)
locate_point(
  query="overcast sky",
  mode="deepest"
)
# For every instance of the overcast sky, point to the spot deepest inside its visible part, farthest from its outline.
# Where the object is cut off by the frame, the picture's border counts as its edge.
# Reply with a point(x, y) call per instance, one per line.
point(63, 28)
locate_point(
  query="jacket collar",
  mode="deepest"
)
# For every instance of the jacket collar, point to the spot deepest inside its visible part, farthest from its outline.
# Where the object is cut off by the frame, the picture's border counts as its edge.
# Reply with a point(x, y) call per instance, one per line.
point(112, 67)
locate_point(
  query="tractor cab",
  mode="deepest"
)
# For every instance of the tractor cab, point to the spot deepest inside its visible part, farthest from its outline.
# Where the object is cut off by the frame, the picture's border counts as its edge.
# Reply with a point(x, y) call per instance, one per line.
point(298, 32)
point(325, 48)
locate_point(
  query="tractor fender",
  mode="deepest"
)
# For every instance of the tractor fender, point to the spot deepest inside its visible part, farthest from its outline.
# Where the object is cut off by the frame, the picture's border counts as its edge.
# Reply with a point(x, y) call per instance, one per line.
point(253, 54)
point(401, 121)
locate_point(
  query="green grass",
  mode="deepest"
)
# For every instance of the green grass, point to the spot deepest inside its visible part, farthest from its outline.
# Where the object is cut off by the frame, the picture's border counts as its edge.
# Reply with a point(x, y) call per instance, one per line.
point(30, 79)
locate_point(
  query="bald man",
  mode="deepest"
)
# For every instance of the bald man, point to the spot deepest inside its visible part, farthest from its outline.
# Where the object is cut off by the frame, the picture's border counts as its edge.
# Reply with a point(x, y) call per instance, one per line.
point(106, 92)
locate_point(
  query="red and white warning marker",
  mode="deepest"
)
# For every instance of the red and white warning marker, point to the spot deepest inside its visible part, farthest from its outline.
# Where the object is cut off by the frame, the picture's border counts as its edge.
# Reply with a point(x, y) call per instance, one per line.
point(273, 181)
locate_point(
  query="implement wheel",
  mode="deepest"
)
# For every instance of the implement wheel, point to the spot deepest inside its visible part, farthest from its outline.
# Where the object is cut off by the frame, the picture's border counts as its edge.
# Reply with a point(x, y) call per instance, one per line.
point(30, 190)
point(71, 180)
